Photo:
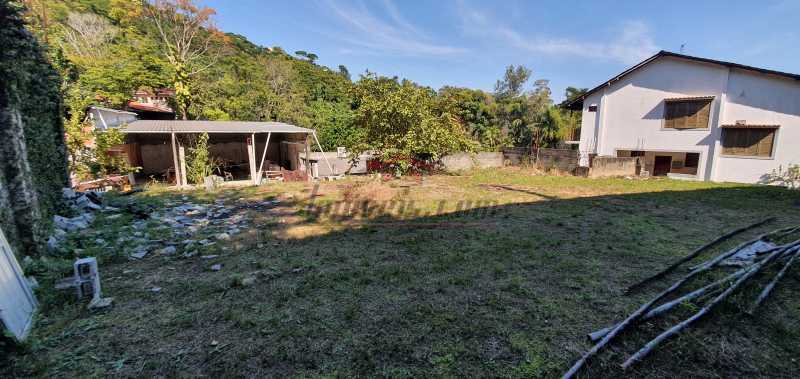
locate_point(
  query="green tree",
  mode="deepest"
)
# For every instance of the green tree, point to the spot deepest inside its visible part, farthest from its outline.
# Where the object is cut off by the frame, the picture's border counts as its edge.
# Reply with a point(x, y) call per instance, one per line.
point(475, 109)
point(401, 120)
point(199, 162)
point(513, 82)
point(189, 41)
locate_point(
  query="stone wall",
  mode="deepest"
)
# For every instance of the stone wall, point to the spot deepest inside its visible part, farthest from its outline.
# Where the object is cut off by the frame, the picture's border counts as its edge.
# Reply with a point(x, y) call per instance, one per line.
point(33, 164)
point(612, 166)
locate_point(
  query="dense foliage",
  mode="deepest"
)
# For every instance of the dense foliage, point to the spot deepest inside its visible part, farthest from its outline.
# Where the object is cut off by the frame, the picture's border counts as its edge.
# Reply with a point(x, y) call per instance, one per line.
point(33, 164)
point(106, 49)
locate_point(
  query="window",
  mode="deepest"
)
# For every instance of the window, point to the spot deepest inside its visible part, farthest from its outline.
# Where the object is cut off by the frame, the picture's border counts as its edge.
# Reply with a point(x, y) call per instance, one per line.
point(692, 160)
point(637, 153)
point(687, 114)
point(593, 108)
point(748, 141)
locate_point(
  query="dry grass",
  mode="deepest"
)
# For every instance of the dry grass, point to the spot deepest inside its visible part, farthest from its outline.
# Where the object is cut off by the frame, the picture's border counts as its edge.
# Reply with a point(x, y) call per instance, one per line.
point(495, 273)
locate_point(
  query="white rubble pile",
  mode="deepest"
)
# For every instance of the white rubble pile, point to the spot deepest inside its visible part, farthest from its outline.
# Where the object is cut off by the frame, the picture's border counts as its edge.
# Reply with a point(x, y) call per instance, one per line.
point(83, 204)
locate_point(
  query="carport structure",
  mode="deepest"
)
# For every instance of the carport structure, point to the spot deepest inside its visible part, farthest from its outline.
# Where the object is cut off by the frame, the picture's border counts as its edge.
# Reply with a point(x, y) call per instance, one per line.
point(151, 143)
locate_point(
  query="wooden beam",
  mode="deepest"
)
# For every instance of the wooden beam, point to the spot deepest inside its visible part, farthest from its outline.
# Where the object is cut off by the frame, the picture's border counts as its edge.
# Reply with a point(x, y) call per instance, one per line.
point(251, 157)
point(330, 168)
point(175, 161)
point(182, 164)
point(308, 160)
point(261, 166)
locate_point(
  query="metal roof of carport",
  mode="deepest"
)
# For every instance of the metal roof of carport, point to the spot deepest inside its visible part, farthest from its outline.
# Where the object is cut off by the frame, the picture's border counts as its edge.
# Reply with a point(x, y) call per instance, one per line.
point(196, 126)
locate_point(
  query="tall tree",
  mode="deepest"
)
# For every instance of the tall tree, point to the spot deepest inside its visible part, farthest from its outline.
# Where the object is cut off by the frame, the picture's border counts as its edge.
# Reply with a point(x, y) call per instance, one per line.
point(189, 41)
point(513, 82)
point(344, 72)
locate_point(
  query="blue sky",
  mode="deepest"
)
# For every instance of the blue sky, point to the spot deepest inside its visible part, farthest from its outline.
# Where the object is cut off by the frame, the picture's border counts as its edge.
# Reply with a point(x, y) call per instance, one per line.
point(469, 43)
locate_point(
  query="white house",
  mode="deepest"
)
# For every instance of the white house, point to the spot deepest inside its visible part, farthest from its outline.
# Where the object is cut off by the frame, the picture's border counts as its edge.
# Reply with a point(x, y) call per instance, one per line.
point(105, 118)
point(695, 118)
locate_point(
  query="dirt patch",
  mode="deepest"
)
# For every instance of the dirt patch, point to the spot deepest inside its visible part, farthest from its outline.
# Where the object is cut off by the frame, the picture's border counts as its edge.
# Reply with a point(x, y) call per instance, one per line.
point(368, 191)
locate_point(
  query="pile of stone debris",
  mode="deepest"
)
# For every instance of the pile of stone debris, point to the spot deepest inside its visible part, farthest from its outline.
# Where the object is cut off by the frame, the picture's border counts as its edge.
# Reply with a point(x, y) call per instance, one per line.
point(82, 203)
point(181, 225)
point(191, 226)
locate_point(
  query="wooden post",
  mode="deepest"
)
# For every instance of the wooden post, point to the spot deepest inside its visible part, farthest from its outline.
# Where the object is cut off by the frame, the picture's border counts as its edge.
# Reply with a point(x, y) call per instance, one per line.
point(182, 163)
point(308, 160)
point(251, 157)
point(261, 166)
point(175, 161)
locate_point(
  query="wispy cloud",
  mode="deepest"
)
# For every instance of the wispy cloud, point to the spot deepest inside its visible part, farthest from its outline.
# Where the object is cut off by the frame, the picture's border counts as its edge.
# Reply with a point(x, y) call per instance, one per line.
point(391, 33)
point(632, 43)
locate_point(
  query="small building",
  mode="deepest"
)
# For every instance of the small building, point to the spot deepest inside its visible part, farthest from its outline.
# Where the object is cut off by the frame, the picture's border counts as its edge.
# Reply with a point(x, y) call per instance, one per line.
point(243, 149)
point(106, 118)
point(152, 105)
point(694, 118)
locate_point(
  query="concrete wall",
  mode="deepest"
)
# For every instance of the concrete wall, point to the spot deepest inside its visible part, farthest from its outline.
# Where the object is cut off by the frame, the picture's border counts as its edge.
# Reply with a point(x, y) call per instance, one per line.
point(612, 166)
point(339, 165)
point(631, 112)
point(468, 161)
point(560, 159)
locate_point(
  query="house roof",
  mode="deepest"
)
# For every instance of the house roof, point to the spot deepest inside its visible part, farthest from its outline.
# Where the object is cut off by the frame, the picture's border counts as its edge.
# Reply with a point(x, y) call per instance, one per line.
point(577, 102)
point(110, 110)
point(149, 107)
point(196, 126)
point(749, 126)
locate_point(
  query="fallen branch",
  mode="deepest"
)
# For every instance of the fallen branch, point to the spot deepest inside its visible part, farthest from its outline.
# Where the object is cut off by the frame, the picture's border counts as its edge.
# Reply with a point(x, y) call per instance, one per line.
point(657, 311)
point(714, 261)
point(638, 313)
point(641, 311)
point(754, 269)
point(772, 284)
point(695, 253)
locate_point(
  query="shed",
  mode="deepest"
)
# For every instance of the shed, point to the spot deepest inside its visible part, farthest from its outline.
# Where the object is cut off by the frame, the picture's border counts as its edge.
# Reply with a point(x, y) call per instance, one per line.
point(245, 148)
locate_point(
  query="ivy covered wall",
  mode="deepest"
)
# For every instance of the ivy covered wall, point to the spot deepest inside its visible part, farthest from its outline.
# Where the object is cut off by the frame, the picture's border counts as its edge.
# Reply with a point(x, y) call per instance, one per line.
point(33, 164)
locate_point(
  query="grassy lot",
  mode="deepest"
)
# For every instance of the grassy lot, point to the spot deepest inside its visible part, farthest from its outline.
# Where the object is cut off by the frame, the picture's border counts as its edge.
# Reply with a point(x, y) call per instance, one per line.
point(490, 273)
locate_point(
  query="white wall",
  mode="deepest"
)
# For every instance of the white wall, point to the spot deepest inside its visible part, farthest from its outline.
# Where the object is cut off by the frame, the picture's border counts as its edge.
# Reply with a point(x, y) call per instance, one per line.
point(761, 99)
point(631, 112)
point(112, 118)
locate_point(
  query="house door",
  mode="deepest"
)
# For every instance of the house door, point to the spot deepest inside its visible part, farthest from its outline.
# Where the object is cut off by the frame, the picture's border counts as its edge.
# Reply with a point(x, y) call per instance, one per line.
point(662, 165)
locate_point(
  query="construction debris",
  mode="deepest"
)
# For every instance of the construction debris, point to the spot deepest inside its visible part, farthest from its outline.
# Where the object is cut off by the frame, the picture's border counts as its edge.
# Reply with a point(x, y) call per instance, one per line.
point(753, 256)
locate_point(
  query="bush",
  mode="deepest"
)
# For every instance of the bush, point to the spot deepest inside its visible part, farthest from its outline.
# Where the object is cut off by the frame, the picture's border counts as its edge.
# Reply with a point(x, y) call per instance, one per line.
point(789, 178)
point(199, 163)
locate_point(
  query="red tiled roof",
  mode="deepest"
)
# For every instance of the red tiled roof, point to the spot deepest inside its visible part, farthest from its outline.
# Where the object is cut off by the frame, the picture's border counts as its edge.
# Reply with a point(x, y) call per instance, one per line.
point(149, 107)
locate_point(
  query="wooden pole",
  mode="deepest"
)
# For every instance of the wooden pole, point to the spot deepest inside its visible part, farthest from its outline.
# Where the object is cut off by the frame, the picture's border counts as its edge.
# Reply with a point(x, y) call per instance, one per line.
point(251, 156)
point(771, 285)
point(641, 311)
point(695, 253)
point(182, 163)
point(330, 168)
point(644, 351)
point(261, 166)
point(175, 161)
point(308, 160)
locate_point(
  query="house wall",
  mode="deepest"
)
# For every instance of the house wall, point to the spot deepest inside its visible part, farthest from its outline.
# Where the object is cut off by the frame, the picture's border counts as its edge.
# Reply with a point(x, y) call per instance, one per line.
point(112, 119)
point(631, 112)
point(761, 99)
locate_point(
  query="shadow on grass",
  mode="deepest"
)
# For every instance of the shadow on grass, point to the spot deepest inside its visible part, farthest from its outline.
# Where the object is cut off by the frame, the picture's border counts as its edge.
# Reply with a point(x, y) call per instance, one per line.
point(501, 290)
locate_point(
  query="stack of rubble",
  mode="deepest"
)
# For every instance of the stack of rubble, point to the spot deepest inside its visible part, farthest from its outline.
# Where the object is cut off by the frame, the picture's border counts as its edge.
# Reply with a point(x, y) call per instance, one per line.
point(82, 203)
